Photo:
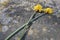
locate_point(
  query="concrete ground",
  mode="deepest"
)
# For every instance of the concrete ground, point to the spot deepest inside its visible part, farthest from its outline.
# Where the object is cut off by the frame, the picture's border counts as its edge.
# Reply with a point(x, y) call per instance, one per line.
point(18, 12)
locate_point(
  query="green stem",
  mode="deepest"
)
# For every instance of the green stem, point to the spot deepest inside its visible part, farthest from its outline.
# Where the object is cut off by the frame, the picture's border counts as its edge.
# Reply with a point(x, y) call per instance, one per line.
point(22, 32)
point(32, 17)
point(37, 17)
point(20, 28)
point(16, 31)
point(30, 25)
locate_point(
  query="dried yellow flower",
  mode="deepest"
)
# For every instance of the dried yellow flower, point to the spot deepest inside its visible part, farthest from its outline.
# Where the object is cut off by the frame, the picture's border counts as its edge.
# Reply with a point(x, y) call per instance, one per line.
point(48, 10)
point(38, 8)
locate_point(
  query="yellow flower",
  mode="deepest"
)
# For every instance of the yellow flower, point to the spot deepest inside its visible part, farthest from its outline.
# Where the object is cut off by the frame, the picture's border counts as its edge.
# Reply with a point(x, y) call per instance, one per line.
point(38, 8)
point(48, 10)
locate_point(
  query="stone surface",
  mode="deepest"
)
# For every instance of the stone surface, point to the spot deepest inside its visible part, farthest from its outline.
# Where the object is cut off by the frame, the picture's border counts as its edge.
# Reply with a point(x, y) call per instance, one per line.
point(18, 12)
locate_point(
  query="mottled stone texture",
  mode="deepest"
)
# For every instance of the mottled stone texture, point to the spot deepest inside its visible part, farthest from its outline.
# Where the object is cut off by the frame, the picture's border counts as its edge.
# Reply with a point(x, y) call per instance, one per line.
point(18, 12)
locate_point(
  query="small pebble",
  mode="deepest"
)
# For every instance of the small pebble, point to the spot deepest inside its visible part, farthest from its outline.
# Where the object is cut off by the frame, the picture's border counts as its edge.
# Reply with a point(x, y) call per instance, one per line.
point(15, 21)
point(17, 38)
point(30, 32)
point(55, 23)
point(51, 39)
point(4, 28)
point(44, 29)
point(9, 25)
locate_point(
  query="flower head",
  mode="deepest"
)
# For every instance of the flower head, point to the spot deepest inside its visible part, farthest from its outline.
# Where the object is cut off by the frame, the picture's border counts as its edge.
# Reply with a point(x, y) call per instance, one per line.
point(48, 10)
point(38, 8)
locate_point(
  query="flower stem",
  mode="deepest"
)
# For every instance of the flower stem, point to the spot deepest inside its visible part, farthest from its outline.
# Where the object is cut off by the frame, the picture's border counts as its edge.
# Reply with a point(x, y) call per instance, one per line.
point(20, 28)
point(32, 19)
